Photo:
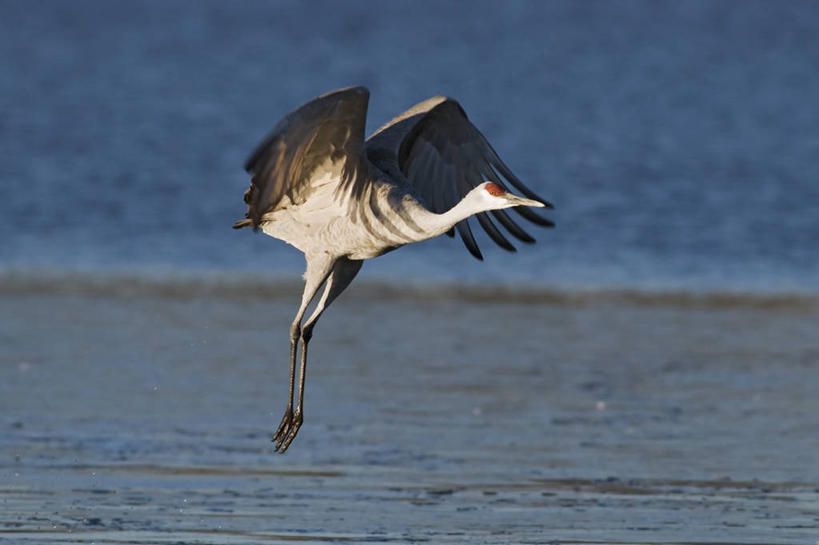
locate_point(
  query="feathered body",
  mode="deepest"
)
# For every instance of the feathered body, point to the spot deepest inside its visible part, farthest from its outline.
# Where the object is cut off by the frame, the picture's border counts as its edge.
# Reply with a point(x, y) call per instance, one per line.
point(319, 186)
point(334, 222)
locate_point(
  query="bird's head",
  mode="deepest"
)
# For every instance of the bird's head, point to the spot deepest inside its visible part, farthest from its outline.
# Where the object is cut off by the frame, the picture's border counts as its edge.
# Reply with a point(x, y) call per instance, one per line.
point(491, 196)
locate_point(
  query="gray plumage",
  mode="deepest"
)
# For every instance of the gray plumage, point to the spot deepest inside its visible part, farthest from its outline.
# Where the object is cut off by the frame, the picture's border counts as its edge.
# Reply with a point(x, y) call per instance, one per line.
point(319, 186)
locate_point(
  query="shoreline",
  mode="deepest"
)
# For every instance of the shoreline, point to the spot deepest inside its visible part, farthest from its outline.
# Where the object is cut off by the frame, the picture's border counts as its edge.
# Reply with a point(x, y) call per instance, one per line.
point(174, 284)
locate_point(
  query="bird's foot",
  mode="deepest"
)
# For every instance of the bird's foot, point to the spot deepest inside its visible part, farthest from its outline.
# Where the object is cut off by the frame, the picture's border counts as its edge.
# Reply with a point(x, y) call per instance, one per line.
point(284, 425)
point(287, 430)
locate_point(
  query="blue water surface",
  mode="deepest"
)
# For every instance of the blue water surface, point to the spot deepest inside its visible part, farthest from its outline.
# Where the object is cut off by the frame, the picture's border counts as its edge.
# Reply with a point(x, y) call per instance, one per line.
point(679, 141)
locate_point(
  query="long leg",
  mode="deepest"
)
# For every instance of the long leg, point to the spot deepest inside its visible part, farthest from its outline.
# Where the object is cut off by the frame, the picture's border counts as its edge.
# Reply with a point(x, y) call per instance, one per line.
point(343, 272)
point(318, 269)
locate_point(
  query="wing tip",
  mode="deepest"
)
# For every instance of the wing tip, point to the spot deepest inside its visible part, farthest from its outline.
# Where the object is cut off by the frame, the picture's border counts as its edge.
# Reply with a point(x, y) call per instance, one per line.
point(474, 250)
point(534, 217)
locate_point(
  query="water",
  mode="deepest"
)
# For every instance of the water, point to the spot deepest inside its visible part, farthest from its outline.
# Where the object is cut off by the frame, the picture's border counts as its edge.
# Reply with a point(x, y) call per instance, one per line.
point(146, 419)
point(646, 373)
point(678, 142)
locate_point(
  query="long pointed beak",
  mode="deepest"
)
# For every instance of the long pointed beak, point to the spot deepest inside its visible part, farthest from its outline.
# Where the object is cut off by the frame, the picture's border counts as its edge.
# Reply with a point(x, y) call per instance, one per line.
point(520, 201)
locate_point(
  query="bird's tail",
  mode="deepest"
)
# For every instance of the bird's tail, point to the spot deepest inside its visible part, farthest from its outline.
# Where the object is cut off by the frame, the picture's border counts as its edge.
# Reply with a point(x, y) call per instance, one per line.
point(242, 223)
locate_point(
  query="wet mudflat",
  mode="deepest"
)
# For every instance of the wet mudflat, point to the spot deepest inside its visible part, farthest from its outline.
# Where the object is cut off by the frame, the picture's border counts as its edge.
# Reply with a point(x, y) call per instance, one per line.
point(146, 419)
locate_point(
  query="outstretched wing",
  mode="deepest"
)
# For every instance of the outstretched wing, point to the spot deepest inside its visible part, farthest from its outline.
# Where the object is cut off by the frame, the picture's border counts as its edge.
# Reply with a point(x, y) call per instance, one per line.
point(323, 138)
point(443, 156)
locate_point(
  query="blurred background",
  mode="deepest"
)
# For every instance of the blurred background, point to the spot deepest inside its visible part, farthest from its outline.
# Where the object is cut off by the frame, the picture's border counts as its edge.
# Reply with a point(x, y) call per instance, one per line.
point(679, 141)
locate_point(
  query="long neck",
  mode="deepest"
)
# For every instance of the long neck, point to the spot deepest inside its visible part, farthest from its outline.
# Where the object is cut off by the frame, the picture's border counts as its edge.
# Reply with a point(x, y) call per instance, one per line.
point(400, 217)
point(437, 224)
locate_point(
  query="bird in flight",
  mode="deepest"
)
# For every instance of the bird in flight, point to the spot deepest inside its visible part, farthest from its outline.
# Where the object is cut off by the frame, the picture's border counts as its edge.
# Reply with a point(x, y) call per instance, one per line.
point(317, 184)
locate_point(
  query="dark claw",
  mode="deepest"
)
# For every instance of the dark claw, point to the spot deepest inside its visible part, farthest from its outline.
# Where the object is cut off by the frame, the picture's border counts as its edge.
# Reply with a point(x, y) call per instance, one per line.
point(288, 428)
point(284, 428)
point(290, 434)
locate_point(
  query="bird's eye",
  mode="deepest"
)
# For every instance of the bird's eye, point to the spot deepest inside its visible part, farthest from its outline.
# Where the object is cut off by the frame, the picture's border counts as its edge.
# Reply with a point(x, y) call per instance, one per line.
point(494, 189)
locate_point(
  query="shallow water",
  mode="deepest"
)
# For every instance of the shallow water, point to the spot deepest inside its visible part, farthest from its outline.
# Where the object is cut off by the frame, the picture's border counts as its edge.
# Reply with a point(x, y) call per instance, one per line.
point(146, 419)
point(677, 140)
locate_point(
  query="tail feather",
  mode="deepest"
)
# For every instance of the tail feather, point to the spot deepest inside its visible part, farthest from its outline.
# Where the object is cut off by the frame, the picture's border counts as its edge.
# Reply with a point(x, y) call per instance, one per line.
point(242, 223)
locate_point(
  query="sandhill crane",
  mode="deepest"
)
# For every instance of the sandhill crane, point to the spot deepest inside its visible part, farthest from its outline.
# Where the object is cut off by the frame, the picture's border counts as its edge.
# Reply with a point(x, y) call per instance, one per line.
point(319, 186)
